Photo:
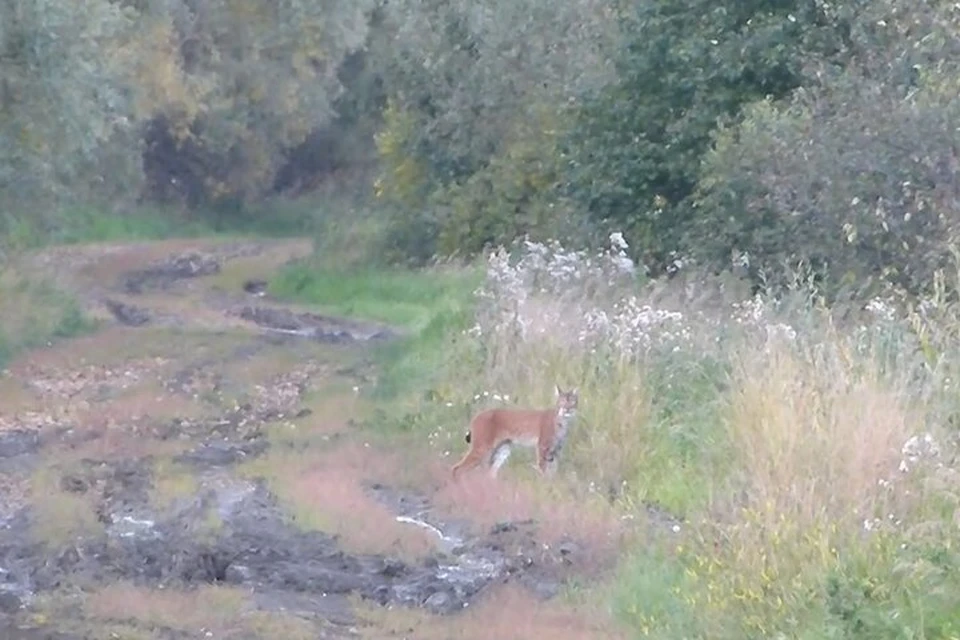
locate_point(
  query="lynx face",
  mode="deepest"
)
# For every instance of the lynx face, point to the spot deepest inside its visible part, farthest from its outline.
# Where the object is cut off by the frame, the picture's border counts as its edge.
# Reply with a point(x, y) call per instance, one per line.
point(567, 402)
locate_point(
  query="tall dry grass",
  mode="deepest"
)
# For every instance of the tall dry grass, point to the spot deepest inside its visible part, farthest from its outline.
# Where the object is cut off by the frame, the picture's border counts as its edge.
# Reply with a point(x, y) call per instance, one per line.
point(806, 452)
point(816, 428)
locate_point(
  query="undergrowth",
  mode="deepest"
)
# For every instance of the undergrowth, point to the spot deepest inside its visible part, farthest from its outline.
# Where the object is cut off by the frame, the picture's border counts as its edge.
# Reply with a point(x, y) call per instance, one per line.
point(276, 217)
point(34, 313)
point(805, 453)
point(426, 306)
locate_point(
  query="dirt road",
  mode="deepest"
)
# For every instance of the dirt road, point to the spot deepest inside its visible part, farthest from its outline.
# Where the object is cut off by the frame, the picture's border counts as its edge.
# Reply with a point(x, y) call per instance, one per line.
point(197, 468)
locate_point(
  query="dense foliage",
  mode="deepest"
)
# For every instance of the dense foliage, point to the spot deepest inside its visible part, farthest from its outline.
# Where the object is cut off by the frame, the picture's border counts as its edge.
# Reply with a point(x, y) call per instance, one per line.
point(773, 134)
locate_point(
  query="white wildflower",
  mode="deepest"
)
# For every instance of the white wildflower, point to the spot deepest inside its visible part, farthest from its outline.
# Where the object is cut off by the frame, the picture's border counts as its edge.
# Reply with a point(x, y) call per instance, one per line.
point(617, 241)
point(881, 309)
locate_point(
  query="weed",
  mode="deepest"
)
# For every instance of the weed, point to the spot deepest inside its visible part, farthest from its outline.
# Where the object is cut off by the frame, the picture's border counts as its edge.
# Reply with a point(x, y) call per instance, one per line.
point(171, 482)
point(219, 609)
point(429, 306)
point(407, 299)
point(505, 612)
point(35, 313)
point(60, 516)
point(803, 452)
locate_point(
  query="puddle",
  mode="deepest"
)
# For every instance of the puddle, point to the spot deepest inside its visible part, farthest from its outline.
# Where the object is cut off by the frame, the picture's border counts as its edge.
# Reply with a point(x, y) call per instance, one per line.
point(253, 543)
point(221, 454)
point(235, 531)
point(17, 442)
point(313, 326)
point(255, 287)
point(129, 527)
point(451, 544)
point(170, 271)
point(127, 314)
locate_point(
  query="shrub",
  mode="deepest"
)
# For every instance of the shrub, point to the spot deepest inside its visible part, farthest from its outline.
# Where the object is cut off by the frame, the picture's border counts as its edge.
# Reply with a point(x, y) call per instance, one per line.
point(638, 143)
point(808, 183)
point(472, 122)
point(514, 195)
point(792, 463)
point(852, 176)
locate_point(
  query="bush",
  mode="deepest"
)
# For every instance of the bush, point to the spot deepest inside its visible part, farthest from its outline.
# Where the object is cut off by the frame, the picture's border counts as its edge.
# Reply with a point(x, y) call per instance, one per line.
point(790, 474)
point(637, 147)
point(468, 147)
point(35, 313)
point(515, 195)
point(809, 183)
point(853, 176)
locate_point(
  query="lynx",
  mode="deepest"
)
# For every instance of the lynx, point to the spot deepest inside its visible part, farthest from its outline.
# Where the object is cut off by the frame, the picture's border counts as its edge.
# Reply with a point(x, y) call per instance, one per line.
point(494, 431)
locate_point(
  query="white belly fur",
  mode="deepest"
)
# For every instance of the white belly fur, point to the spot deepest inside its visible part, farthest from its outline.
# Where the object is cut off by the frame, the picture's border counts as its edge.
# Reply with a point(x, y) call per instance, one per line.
point(530, 441)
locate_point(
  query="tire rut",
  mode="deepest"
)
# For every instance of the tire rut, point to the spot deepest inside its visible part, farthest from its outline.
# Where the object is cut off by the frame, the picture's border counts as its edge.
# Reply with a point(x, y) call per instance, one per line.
point(232, 530)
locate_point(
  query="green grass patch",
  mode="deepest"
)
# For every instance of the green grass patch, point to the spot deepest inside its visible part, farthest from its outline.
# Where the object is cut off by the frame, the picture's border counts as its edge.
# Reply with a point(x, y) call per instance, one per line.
point(408, 299)
point(431, 306)
point(59, 516)
point(91, 224)
point(649, 596)
point(276, 217)
point(34, 313)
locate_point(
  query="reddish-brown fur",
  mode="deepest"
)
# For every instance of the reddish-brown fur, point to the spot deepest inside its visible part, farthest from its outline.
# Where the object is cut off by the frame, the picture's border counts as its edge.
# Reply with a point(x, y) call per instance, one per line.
point(493, 431)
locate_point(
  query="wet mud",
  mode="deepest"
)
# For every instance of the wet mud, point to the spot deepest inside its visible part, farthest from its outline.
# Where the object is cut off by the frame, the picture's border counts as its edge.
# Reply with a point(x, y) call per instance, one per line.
point(313, 326)
point(230, 529)
point(166, 273)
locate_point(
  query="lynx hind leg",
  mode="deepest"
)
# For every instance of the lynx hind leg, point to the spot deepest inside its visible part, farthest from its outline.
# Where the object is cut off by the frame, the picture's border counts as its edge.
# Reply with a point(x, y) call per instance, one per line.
point(499, 457)
point(470, 460)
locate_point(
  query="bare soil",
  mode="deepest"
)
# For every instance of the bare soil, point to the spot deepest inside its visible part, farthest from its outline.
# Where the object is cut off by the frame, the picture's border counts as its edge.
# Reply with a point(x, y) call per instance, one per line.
point(194, 469)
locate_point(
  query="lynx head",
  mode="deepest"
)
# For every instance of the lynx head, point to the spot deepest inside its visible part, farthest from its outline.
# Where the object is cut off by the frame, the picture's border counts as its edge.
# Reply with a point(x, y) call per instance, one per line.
point(566, 402)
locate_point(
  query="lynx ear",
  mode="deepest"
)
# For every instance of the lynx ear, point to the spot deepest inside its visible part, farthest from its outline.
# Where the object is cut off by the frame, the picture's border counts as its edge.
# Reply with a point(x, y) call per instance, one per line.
point(575, 391)
point(559, 391)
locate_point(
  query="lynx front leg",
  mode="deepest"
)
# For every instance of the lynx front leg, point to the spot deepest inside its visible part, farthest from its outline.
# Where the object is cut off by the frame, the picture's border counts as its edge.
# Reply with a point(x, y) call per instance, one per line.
point(544, 457)
point(547, 455)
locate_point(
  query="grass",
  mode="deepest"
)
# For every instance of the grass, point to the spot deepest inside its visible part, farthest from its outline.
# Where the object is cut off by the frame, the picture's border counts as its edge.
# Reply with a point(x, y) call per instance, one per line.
point(60, 516)
point(508, 612)
point(74, 225)
point(325, 491)
point(777, 457)
point(277, 217)
point(132, 612)
point(404, 298)
point(35, 313)
point(172, 482)
point(429, 306)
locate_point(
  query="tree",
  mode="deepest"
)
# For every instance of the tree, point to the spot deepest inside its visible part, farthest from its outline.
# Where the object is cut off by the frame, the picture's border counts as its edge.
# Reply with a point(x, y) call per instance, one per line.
point(636, 150)
point(65, 114)
point(855, 175)
point(465, 79)
point(230, 86)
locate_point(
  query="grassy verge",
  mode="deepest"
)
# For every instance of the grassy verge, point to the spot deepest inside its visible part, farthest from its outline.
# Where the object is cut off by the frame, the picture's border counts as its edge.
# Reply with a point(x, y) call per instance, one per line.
point(429, 306)
point(35, 313)
point(809, 468)
point(89, 224)
point(72, 225)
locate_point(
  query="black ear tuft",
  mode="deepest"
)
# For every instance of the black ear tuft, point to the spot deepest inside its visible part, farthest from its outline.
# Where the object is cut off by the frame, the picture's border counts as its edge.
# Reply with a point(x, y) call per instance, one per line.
point(468, 437)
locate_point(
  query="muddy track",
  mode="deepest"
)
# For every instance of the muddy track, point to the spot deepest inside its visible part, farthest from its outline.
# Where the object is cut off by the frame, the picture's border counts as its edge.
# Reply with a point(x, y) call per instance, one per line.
point(225, 528)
